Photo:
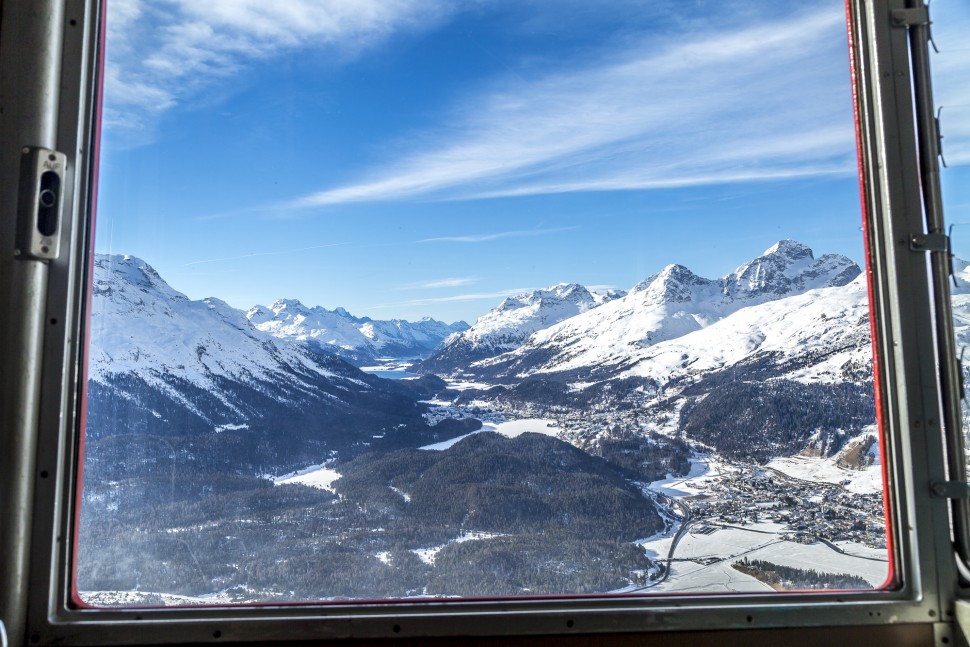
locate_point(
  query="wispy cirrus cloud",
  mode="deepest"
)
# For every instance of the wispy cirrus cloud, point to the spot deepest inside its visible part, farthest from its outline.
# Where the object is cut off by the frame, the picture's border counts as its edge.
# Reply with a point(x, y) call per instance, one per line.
point(485, 238)
point(479, 296)
point(951, 78)
point(765, 101)
point(440, 283)
point(163, 53)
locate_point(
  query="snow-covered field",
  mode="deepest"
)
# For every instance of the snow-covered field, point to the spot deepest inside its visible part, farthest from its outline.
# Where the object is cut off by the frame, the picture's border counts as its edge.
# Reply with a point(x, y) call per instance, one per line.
point(464, 386)
point(148, 599)
point(509, 429)
point(704, 470)
point(705, 552)
point(828, 470)
point(427, 555)
point(318, 476)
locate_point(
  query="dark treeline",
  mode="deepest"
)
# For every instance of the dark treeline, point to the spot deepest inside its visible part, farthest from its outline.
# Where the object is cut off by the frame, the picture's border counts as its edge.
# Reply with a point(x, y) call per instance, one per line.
point(645, 458)
point(760, 420)
point(798, 579)
point(536, 515)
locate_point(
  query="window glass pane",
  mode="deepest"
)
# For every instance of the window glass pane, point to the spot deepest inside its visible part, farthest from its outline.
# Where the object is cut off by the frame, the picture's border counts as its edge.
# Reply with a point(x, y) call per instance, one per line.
point(951, 72)
point(426, 299)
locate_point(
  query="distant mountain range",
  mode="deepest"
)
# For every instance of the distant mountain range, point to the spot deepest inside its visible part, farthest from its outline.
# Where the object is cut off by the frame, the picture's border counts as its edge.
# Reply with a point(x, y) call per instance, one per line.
point(165, 366)
point(668, 305)
point(160, 360)
point(508, 325)
point(356, 339)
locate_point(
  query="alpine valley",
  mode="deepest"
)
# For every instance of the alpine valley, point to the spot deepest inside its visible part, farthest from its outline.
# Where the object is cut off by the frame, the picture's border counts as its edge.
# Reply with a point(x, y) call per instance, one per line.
point(690, 434)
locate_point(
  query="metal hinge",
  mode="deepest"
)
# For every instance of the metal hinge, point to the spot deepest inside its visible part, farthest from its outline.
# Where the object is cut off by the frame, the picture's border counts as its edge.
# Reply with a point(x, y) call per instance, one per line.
point(911, 17)
point(951, 489)
point(929, 243)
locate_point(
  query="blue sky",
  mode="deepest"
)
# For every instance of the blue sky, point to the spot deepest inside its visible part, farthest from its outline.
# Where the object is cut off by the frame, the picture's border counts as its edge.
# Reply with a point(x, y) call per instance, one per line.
point(404, 158)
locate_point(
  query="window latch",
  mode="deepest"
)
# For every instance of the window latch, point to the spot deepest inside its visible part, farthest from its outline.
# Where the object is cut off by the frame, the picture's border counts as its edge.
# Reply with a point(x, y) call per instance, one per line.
point(911, 17)
point(929, 243)
point(951, 489)
point(41, 201)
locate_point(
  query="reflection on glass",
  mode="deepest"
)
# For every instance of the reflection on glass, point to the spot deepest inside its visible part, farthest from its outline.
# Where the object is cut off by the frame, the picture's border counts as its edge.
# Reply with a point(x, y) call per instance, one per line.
point(406, 300)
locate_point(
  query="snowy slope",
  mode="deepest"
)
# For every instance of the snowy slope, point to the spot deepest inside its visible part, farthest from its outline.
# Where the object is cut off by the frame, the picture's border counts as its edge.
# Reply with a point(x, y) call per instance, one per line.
point(828, 325)
point(161, 364)
point(139, 324)
point(506, 326)
point(354, 338)
point(668, 305)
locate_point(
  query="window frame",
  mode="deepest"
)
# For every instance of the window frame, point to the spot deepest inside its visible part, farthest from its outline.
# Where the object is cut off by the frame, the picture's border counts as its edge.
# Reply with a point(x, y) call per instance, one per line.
point(908, 388)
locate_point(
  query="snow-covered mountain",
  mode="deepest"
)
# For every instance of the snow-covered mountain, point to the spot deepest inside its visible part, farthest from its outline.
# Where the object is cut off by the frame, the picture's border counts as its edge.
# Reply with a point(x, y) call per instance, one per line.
point(508, 325)
point(820, 336)
point(357, 339)
point(668, 305)
point(770, 379)
point(163, 365)
point(140, 325)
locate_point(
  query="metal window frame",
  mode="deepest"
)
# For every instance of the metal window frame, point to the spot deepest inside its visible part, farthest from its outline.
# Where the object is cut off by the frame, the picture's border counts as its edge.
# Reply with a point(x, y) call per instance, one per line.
point(48, 72)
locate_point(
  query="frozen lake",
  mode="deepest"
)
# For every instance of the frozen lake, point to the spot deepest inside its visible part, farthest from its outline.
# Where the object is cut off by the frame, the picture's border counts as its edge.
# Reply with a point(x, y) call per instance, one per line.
point(392, 369)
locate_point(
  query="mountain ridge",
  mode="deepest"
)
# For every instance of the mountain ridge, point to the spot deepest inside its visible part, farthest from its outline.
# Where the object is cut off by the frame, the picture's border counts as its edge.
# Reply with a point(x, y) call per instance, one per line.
point(356, 339)
point(667, 305)
point(509, 324)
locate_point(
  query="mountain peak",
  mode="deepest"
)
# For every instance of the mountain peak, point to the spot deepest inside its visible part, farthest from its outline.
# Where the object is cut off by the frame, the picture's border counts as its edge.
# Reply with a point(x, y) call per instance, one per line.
point(290, 305)
point(790, 249)
point(671, 284)
point(786, 267)
point(131, 270)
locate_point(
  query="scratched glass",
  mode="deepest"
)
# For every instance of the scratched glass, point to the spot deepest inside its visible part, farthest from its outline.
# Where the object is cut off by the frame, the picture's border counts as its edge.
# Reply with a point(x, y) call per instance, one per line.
point(418, 301)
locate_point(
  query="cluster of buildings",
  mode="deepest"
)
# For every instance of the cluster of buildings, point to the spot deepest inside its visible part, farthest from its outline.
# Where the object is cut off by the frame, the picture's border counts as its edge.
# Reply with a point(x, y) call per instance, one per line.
point(811, 511)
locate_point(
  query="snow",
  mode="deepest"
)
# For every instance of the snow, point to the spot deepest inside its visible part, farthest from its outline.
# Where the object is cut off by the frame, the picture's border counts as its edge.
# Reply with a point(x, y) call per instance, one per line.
point(676, 306)
point(704, 470)
point(509, 429)
point(221, 428)
point(339, 331)
point(703, 559)
point(401, 493)
point(465, 385)
point(427, 555)
point(705, 552)
point(318, 476)
point(141, 326)
point(146, 598)
point(833, 322)
point(826, 470)
point(506, 326)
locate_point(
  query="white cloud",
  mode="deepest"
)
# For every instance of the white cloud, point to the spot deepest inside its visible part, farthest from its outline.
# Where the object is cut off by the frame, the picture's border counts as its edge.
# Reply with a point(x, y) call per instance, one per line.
point(484, 238)
point(770, 100)
point(951, 77)
point(164, 52)
point(482, 296)
point(440, 283)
